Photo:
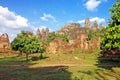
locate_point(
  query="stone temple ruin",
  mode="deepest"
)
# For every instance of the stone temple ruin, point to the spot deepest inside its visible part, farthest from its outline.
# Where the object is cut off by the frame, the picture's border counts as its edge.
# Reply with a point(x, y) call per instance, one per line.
point(42, 35)
point(4, 43)
point(72, 30)
point(78, 36)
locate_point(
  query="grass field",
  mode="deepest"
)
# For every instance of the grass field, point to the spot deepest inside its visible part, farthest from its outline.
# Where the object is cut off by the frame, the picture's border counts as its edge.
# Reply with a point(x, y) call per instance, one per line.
point(57, 67)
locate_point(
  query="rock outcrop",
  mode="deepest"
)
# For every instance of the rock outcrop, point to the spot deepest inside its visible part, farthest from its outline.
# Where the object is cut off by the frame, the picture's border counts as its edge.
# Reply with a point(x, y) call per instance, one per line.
point(4, 43)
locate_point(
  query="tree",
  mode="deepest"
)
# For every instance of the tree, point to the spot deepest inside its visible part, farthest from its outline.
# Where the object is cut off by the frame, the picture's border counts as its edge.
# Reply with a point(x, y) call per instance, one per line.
point(27, 44)
point(111, 38)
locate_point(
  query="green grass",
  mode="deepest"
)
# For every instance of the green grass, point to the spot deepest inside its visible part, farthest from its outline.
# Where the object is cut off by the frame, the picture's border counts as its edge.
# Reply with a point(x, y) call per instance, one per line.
point(94, 73)
point(56, 67)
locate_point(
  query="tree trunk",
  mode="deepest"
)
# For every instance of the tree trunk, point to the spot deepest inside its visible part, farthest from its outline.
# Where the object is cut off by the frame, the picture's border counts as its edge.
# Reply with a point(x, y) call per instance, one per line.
point(41, 56)
point(27, 56)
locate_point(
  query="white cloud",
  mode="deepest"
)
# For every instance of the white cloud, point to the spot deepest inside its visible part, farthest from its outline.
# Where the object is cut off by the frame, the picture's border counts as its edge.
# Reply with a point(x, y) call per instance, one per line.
point(91, 5)
point(47, 17)
point(12, 23)
point(12, 32)
point(81, 21)
point(99, 20)
point(10, 19)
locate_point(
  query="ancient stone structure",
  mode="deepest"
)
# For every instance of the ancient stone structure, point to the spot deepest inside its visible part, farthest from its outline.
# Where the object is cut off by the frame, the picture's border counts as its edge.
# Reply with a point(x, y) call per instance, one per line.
point(59, 46)
point(101, 26)
point(81, 41)
point(72, 30)
point(29, 33)
point(42, 34)
point(95, 25)
point(87, 23)
point(4, 43)
point(78, 38)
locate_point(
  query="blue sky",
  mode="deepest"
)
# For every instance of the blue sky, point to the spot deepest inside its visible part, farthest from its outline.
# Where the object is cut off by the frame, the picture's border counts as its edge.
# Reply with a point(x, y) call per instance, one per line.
point(17, 15)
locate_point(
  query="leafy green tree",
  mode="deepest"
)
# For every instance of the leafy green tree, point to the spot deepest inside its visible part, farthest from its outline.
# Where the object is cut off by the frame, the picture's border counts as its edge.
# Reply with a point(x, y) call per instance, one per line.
point(27, 44)
point(111, 37)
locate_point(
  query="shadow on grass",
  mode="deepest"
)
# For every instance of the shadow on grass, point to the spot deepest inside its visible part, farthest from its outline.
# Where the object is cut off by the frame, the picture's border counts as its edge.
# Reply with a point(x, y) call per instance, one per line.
point(109, 58)
point(50, 73)
point(99, 74)
point(41, 73)
point(108, 63)
point(35, 58)
point(14, 68)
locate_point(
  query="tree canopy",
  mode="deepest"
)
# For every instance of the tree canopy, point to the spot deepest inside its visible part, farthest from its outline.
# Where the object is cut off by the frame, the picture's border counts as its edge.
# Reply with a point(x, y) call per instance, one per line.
point(27, 44)
point(111, 37)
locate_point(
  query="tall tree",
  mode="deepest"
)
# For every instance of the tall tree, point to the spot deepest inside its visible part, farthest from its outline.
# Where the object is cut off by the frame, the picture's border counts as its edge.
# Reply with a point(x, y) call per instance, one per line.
point(27, 44)
point(111, 37)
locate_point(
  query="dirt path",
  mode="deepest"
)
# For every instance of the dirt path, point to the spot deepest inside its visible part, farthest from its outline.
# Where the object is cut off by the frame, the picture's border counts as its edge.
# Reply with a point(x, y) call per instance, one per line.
point(48, 65)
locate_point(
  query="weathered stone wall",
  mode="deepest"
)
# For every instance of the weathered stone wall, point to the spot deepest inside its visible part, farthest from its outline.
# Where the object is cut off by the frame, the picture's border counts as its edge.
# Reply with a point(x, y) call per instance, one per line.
point(72, 30)
point(78, 38)
point(4, 43)
point(58, 46)
point(81, 42)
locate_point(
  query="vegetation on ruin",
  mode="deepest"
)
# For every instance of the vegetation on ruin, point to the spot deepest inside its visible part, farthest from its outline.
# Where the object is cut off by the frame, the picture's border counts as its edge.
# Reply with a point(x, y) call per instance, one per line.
point(53, 35)
point(92, 34)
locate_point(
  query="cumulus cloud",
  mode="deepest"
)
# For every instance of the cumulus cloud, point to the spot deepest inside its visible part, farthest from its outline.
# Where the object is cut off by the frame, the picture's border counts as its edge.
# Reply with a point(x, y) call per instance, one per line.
point(12, 23)
point(91, 5)
point(99, 20)
point(81, 21)
point(47, 17)
point(12, 32)
point(10, 19)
